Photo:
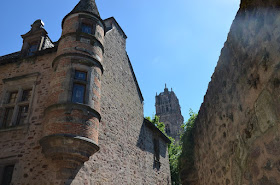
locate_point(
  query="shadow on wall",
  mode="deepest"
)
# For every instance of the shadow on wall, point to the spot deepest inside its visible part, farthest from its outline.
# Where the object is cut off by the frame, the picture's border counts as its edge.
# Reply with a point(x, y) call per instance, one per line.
point(149, 133)
point(68, 175)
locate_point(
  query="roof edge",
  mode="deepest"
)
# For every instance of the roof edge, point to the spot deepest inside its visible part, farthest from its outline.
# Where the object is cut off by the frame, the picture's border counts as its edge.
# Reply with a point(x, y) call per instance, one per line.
point(70, 13)
point(135, 79)
point(153, 127)
point(115, 21)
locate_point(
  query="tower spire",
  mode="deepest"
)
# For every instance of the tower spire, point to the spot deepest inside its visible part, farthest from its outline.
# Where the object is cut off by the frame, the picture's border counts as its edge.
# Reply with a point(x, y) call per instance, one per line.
point(87, 6)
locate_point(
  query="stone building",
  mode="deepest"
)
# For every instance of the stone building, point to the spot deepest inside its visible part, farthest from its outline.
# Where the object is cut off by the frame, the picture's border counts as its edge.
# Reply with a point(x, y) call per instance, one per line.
point(237, 137)
point(169, 111)
point(71, 111)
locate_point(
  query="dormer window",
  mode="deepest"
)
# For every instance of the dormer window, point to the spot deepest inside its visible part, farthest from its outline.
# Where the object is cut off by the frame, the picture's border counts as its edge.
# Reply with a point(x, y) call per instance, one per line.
point(36, 39)
point(32, 49)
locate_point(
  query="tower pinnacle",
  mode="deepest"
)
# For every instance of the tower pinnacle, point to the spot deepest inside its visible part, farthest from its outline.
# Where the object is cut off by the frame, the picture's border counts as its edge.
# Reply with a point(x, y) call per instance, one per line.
point(165, 89)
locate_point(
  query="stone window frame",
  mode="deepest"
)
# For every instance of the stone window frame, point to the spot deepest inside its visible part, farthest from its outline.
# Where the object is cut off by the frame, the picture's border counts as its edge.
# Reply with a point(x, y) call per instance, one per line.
point(28, 43)
point(88, 22)
point(81, 83)
point(84, 36)
point(2, 172)
point(86, 83)
point(156, 146)
point(17, 84)
point(7, 161)
point(34, 46)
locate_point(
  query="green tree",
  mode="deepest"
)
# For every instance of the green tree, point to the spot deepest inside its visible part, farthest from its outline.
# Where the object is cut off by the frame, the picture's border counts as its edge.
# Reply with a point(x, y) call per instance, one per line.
point(174, 151)
point(159, 125)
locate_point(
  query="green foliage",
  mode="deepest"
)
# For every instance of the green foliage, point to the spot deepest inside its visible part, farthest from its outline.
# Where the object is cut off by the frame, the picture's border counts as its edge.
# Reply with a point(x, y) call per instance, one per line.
point(181, 154)
point(186, 159)
point(174, 151)
point(159, 125)
point(190, 123)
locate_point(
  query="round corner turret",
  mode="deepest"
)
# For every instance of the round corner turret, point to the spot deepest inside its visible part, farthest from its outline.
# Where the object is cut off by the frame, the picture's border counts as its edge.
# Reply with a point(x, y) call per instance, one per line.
point(72, 116)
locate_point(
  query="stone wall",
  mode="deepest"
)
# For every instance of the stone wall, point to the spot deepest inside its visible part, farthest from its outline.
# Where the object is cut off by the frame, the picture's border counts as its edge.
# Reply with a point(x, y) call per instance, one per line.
point(237, 130)
point(20, 144)
point(126, 145)
point(126, 153)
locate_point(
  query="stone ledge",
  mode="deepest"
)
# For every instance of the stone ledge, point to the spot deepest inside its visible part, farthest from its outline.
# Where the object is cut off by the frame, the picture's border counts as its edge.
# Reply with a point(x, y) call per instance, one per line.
point(86, 35)
point(72, 106)
point(84, 14)
point(13, 128)
point(16, 78)
point(92, 60)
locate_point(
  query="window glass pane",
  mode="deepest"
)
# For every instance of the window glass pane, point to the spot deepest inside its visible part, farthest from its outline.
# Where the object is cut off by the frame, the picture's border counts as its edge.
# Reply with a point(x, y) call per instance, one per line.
point(7, 175)
point(13, 97)
point(8, 117)
point(26, 94)
point(32, 49)
point(22, 114)
point(86, 28)
point(78, 93)
point(79, 75)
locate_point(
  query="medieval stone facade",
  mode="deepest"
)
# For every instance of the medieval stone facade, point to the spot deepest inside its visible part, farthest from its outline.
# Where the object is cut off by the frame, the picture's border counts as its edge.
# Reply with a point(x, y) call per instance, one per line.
point(237, 138)
point(71, 111)
point(169, 111)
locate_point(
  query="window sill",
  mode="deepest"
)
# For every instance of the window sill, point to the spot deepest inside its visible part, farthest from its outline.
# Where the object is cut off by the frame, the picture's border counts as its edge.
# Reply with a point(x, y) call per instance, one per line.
point(157, 161)
point(13, 128)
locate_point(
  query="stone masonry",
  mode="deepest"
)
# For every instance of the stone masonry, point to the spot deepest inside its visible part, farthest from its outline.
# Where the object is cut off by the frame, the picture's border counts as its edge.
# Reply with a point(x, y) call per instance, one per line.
point(169, 111)
point(237, 130)
point(71, 111)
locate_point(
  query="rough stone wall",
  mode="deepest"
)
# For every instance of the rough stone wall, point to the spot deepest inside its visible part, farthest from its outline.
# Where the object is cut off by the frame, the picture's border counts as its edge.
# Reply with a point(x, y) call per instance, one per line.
point(20, 145)
point(126, 148)
point(126, 153)
point(237, 130)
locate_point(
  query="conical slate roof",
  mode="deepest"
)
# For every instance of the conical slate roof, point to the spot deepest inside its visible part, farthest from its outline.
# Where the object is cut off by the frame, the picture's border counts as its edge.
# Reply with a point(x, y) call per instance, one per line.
point(88, 6)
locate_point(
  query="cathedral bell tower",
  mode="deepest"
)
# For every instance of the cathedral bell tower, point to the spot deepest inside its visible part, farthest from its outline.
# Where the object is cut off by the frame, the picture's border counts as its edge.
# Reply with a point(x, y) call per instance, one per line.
point(72, 116)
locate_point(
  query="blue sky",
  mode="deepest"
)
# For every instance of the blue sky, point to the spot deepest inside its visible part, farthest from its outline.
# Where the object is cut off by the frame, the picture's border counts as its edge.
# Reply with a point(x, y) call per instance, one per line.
point(175, 42)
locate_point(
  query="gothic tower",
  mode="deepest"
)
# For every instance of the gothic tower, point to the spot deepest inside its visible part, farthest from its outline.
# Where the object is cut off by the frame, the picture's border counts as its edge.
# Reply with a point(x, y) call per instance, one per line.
point(75, 89)
point(169, 111)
